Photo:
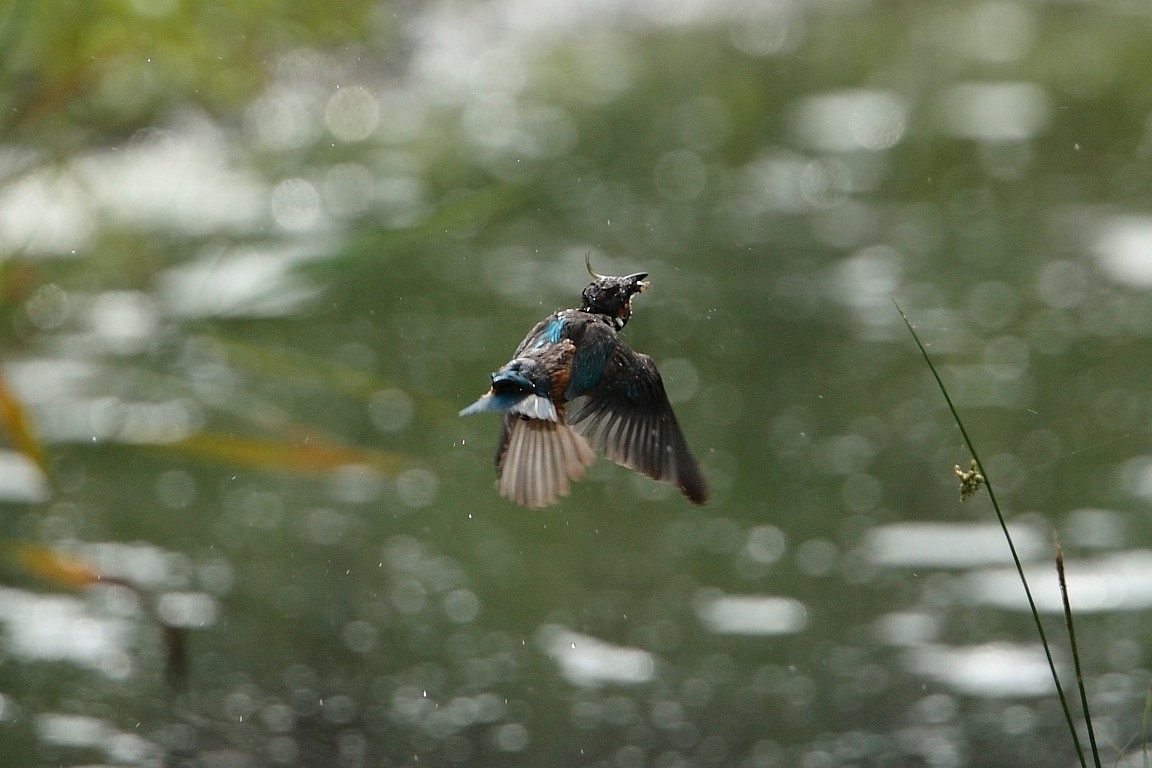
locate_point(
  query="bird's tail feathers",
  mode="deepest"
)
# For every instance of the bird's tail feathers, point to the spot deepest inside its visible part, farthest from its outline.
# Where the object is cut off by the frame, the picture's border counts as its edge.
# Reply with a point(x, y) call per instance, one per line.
point(540, 460)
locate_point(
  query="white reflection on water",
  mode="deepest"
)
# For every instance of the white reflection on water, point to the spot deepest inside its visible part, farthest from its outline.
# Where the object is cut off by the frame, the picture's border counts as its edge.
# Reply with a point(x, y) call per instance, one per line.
point(907, 628)
point(772, 183)
point(1123, 250)
point(998, 382)
point(1117, 582)
point(240, 283)
point(1136, 477)
point(866, 282)
point(750, 614)
point(48, 306)
point(189, 610)
point(587, 661)
point(768, 29)
point(949, 545)
point(295, 206)
point(81, 732)
point(121, 322)
point(1095, 528)
point(46, 213)
point(987, 670)
point(848, 121)
point(55, 390)
point(21, 480)
point(182, 179)
point(62, 628)
point(98, 419)
point(996, 31)
point(48, 379)
point(71, 730)
point(995, 112)
point(352, 114)
point(142, 565)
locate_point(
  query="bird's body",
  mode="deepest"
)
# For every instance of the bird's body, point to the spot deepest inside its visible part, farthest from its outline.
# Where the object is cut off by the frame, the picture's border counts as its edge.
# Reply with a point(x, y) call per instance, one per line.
point(574, 385)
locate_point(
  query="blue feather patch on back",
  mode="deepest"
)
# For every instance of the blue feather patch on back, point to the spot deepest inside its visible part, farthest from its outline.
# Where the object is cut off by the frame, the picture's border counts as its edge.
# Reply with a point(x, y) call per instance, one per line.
point(587, 367)
point(551, 333)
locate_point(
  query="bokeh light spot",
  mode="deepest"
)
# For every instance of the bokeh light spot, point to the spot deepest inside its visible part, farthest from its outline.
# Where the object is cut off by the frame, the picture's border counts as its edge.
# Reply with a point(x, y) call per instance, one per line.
point(352, 114)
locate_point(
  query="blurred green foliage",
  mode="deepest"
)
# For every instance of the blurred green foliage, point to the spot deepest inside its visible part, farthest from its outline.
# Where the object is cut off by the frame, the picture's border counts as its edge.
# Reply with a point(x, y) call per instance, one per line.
point(76, 72)
point(423, 292)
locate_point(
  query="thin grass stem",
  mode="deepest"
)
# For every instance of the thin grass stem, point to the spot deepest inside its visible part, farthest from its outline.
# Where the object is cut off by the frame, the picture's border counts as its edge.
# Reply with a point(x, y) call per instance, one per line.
point(1144, 726)
point(1075, 651)
point(1007, 535)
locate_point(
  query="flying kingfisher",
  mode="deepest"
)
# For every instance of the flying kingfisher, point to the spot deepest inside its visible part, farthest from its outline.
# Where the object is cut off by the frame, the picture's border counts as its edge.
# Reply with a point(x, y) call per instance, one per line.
point(574, 385)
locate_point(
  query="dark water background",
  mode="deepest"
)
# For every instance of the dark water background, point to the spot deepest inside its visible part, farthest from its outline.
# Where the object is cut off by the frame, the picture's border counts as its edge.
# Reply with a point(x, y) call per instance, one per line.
point(256, 256)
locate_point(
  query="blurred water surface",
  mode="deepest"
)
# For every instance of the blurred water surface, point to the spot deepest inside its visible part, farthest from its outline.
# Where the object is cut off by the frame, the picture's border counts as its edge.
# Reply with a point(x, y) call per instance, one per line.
point(255, 257)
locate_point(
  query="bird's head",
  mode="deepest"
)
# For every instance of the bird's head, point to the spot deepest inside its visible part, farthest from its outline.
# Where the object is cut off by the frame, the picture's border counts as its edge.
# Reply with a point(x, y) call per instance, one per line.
point(612, 296)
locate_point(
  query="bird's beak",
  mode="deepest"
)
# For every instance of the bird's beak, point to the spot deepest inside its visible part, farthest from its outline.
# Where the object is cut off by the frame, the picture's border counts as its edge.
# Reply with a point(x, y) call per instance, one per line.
point(639, 280)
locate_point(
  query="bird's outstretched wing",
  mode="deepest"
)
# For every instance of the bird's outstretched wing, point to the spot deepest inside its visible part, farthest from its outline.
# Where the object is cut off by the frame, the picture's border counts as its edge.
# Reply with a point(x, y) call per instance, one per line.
point(537, 458)
point(625, 414)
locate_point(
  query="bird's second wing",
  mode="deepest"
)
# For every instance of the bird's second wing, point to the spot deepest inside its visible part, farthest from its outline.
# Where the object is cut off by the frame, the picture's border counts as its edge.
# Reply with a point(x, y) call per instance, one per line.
point(625, 414)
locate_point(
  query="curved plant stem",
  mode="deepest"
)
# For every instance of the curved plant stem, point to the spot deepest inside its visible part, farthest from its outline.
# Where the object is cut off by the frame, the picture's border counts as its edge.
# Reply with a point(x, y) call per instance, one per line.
point(1075, 651)
point(1144, 725)
point(1007, 535)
